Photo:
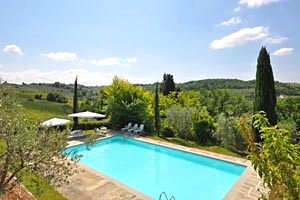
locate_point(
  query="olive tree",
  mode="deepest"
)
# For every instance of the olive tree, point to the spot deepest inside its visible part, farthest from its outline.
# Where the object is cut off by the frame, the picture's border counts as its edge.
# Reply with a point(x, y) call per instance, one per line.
point(227, 133)
point(24, 145)
point(180, 119)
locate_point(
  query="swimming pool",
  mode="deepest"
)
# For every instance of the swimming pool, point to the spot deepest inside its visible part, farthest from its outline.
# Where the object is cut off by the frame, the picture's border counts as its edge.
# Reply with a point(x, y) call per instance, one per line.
point(153, 169)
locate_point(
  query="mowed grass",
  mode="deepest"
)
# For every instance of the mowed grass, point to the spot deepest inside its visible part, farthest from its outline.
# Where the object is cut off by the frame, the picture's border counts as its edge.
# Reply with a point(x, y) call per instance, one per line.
point(211, 148)
point(46, 106)
point(45, 191)
point(41, 110)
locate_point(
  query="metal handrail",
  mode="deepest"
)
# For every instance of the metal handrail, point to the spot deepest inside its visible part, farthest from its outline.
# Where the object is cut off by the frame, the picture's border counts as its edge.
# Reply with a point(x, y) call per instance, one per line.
point(163, 193)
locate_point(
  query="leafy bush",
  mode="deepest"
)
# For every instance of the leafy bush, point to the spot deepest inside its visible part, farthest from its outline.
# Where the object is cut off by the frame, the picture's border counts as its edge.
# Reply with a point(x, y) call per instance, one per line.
point(227, 133)
point(167, 132)
point(38, 96)
point(203, 126)
point(180, 120)
point(276, 159)
point(54, 97)
point(90, 124)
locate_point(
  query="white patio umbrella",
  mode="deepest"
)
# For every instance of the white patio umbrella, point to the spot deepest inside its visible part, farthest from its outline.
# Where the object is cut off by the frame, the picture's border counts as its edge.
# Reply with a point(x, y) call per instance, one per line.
point(87, 114)
point(55, 122)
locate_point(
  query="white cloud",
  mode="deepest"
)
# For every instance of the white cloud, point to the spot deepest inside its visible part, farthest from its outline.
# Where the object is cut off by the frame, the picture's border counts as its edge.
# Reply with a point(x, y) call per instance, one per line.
point(232, 21)
point(237, 9)
point(61, 56)
point(240, 37)
point(275, 40)
point(114, 61)
point(85, 77)
point(257, 3)
point(283, 52)
point(107, 62)
point(13, 49)
point(1, 65)
point(68, 76)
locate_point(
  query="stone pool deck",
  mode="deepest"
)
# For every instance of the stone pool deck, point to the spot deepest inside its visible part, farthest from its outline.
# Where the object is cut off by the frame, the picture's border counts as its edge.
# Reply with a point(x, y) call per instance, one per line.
point(92, 185)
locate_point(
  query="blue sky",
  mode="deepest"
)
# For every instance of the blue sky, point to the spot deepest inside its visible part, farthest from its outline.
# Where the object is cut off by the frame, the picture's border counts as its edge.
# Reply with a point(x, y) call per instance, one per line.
point(48, 41)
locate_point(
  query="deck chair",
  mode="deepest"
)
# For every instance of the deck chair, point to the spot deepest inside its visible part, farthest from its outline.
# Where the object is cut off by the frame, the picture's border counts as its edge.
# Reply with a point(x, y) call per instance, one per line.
point(76, 134)
point(139, 130)
point(135, 126)
point(126, 128)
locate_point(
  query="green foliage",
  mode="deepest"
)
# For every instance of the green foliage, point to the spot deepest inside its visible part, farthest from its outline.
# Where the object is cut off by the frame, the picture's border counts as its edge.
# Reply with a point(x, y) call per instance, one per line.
point(55, 97)
point(203, 126)
point(75, 104)
point(243, 87)
point(38, 96)
point(227, 133)
point(212, 84)
point(29, 147)
point(156, 111)
point(127, 103)
point(288, 110)
point(167, 132)
point(168, 84)
point(265, 95)
point(224, 101)
point(276, 160)
point(180, 119)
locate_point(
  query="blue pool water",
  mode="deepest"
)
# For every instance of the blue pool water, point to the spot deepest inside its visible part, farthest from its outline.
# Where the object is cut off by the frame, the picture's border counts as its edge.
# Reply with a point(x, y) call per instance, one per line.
point(152, 169)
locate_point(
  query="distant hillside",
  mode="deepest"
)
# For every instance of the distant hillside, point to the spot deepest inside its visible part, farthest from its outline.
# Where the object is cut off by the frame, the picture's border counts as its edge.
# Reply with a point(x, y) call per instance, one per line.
point(289, 89)
point(217, 84)
point(91, 92)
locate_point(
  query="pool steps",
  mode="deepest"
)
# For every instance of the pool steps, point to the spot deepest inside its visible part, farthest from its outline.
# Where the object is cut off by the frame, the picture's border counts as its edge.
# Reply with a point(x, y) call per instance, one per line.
point(163, 194)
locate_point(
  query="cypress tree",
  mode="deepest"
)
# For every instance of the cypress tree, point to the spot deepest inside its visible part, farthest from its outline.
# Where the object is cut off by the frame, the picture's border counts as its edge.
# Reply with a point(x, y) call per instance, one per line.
point(265, 94)
point(156, 111)
point(75, 104)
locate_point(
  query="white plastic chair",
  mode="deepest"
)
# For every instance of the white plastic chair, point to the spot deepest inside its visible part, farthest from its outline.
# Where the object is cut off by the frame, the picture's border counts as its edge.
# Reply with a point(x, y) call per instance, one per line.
point(126, 128)
point(139, 131)
point(131, 130)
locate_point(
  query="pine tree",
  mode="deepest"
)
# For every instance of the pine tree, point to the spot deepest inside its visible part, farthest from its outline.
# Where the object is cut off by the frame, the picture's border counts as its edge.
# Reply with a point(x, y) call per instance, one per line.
point(156, 111)
point(75, 104)
point(265, 94)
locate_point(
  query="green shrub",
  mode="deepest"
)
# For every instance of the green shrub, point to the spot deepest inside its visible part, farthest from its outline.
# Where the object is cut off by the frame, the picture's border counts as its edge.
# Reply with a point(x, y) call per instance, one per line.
point(275, 159)
point(167, 132)
point(38, 96)
point(54, 97)
point(203, 126)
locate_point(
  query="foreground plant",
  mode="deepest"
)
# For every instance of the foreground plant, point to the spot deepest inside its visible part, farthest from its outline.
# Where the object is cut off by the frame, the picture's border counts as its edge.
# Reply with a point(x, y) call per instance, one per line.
point(276, 159)
point(24, 145)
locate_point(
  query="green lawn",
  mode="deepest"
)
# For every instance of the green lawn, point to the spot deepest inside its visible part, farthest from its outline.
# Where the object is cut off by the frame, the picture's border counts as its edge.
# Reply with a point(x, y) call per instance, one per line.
point(46, 191)
point(59, 109)
point(212, 148)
